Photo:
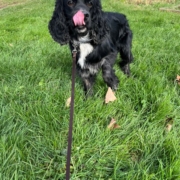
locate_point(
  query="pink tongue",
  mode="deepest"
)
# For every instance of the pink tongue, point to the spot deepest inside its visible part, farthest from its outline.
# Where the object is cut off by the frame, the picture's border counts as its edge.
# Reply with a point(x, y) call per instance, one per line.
point(78, 19)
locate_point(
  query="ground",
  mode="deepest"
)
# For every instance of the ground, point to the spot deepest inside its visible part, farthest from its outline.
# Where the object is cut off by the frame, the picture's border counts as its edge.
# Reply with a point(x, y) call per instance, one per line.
point(35, 82)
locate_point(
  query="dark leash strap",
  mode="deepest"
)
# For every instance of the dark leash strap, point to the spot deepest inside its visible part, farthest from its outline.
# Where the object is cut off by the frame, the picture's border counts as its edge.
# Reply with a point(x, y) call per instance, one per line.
point(68, 163)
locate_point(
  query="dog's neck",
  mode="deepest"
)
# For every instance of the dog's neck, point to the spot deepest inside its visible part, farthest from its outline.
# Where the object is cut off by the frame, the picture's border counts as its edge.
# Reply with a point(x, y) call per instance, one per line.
point(82, 39)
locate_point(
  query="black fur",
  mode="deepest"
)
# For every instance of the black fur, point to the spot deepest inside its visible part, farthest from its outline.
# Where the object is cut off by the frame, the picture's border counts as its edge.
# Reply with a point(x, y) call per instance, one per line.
point(106, 34)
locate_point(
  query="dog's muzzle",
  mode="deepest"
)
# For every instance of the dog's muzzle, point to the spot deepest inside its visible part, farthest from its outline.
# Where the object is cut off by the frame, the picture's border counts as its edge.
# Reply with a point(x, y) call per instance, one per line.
point(80, 19)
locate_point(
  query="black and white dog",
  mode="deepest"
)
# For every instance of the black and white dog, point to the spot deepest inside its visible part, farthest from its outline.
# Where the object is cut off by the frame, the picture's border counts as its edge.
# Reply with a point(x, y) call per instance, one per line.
point(98, 36)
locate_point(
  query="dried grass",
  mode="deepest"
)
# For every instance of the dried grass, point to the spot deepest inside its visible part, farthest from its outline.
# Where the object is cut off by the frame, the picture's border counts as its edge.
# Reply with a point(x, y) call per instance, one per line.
point(147, 2)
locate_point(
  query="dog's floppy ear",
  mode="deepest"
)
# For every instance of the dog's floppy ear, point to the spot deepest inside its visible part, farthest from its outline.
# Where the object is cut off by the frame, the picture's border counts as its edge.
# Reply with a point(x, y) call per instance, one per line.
point(57, 25)
point(99, 27)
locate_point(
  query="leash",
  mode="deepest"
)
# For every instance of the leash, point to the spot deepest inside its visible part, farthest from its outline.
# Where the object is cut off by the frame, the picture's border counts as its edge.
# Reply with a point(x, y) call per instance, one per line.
point(68, 163)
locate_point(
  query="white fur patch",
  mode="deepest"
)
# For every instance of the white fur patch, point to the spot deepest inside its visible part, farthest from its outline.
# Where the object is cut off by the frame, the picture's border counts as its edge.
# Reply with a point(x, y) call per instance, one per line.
point(85, 49)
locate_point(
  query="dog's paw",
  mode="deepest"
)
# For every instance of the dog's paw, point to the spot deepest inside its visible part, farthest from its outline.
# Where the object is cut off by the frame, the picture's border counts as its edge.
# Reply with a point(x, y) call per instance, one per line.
point(126, 69)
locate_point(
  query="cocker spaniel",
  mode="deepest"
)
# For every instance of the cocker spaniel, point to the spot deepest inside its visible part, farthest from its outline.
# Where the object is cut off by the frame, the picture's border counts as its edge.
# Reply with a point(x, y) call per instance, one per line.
point(98, 37)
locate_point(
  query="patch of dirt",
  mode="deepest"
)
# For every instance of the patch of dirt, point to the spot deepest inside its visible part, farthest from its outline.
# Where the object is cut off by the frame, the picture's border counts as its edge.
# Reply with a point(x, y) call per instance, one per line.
point(175, 9)
point(6, 5)
point(150, 2)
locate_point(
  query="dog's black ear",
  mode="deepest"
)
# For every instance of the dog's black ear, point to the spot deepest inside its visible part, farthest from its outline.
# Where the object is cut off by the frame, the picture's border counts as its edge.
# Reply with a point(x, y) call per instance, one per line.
point(57, 25)
point(99, 27)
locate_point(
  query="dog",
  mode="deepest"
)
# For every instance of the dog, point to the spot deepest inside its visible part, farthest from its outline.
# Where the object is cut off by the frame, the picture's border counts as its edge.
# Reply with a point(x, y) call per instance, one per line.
point(97, 36)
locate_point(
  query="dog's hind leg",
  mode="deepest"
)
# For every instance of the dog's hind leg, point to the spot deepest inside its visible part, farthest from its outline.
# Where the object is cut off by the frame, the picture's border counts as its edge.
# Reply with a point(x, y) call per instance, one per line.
point(125, 53)
point(127, 58)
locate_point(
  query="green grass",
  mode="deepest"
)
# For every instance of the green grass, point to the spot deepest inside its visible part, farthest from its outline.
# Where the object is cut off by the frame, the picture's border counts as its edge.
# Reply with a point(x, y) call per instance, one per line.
point(35, 81)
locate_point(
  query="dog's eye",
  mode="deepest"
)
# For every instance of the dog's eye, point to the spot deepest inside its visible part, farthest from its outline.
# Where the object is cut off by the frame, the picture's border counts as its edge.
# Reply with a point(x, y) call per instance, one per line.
point(89, 3)
point(70, 3)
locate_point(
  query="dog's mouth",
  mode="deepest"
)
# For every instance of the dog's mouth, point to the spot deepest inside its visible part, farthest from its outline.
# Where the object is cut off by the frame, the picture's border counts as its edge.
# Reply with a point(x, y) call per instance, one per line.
point(81, 29)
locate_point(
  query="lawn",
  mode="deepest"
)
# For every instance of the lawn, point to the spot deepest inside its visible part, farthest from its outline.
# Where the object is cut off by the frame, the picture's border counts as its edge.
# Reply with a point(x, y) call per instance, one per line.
point(35, 81)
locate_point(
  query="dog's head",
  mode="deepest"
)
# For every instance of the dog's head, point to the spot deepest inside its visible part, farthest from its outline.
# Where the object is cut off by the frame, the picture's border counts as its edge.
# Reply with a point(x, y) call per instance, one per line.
point(75, 18)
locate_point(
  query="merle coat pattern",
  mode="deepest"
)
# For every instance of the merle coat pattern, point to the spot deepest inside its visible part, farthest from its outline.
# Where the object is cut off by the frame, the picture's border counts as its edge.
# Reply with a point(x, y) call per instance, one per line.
point(98, 35)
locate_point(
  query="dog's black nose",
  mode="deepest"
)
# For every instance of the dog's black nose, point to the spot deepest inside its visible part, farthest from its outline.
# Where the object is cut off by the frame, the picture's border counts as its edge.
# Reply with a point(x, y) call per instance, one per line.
point(86, 15)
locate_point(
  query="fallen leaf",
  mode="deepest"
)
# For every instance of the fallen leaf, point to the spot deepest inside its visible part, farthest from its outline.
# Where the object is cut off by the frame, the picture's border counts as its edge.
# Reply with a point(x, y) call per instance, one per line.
point(68, 102)
point(113, 125)
point(169, 124)
point(110, 97)
point(168, 127)
point(178, 79)
point(116, 126)
point(134, 157)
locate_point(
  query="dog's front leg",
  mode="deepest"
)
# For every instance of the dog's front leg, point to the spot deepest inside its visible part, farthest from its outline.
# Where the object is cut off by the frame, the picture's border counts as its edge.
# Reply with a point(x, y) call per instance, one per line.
point(88, 81)
point(108, 72)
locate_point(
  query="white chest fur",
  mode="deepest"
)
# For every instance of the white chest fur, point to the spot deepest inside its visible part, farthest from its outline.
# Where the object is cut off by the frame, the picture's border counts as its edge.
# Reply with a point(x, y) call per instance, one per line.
point(85, 49)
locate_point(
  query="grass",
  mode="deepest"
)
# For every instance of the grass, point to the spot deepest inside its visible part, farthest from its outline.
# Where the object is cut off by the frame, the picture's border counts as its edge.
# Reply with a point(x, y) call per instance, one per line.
point(35, 81)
